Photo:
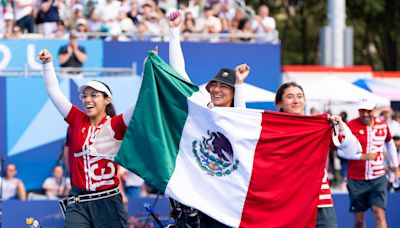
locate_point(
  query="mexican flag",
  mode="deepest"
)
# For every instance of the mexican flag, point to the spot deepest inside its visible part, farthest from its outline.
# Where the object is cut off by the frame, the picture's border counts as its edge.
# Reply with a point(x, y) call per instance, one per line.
point(242, 167)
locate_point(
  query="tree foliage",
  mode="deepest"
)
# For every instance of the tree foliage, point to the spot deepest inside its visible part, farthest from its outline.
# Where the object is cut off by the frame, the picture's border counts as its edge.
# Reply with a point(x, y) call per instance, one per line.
point(376, 25)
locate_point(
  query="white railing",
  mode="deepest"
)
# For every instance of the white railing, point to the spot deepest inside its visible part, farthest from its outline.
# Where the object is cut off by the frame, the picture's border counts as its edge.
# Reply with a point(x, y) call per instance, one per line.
point(71, 72)
point(272, 37)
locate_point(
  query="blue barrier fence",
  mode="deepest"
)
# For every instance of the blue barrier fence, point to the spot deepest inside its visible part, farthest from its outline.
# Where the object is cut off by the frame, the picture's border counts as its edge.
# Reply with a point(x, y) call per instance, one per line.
point(49, 215)
point(22, 53)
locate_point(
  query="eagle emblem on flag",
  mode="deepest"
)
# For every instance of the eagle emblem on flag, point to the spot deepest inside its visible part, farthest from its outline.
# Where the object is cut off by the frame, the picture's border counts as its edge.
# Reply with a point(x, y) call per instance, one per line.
point(214, 154)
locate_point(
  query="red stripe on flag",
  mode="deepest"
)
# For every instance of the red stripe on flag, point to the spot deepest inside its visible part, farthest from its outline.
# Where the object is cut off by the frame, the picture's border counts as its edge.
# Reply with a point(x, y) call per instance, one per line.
point(287, 171)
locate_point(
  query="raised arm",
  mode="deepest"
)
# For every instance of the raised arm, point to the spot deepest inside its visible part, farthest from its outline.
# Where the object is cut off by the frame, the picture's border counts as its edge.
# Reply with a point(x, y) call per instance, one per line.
point(241, 72)
point(62, 104)
point(176, 59)
point(127, 115)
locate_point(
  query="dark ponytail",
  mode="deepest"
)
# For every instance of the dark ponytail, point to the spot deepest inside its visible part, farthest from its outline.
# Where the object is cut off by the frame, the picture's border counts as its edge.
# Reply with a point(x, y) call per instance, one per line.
point(233, 100)
point(110, 110)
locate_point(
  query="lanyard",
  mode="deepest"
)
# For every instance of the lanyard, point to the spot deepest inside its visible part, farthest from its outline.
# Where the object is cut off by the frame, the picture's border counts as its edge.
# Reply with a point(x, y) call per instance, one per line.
point(90, 138)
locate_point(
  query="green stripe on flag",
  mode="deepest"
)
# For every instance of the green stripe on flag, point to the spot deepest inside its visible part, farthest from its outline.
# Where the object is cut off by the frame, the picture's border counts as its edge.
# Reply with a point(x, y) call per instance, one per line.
point(151, 142)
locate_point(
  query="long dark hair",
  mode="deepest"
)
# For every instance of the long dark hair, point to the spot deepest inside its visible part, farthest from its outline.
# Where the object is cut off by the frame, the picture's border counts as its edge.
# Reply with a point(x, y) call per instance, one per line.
point(110, 109)
point(233, 99)
point(281, 91)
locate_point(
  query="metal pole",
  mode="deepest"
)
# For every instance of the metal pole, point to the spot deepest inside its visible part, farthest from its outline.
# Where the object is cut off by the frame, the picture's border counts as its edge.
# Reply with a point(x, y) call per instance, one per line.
point(336, 18)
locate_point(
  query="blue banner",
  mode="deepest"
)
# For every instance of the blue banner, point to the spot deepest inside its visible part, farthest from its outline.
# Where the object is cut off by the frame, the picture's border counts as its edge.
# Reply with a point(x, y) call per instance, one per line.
point(22, 53)
point(203, 60)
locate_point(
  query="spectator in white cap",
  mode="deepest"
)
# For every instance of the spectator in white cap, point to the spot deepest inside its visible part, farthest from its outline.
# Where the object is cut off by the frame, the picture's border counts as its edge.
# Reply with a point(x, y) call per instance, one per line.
point(95, 135)
point(75, 13)
point(77, 7)
point(7, 27)
point(367, 183)
point(82, 28)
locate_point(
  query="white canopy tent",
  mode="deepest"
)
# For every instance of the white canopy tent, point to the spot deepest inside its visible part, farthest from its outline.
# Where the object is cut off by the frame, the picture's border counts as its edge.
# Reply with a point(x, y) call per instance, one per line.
point(339, 91)
point(251, 93)
point(331, 93)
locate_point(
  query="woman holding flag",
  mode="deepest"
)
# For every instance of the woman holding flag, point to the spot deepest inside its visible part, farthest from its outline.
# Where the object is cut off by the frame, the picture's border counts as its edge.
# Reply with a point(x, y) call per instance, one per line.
point(290, 98)
point(95, 137)
point(225, 91)
point(225, 88)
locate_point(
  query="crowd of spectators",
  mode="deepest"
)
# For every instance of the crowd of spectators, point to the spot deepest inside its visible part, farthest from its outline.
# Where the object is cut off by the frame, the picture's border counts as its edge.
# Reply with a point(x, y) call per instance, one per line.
point(125, 20)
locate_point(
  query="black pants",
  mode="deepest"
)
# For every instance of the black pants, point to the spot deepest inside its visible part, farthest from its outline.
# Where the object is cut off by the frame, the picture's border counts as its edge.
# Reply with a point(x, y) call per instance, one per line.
point(107, 212)
point(27, 22)
point(326, 218)
point(366, 193)
point(192, 218)
point(208, 222)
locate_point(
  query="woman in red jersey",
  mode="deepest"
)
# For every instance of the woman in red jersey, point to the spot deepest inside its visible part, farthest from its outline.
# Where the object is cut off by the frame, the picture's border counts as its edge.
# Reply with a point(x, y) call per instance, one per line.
point(96, 133)
point(290, 98)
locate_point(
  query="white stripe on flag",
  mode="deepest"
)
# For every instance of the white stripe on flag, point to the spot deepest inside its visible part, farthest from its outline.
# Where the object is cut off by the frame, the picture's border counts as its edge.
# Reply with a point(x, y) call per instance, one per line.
point(220, 197)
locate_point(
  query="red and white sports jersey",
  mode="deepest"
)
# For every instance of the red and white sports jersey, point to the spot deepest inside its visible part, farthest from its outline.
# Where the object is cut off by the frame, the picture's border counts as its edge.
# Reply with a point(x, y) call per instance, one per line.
point(325, 195)
point(372, 139)
point(92, 149)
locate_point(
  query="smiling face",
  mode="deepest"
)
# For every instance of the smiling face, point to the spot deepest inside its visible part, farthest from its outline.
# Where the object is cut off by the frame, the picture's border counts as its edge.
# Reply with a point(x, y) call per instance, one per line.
point(365, 116)
point(292, 100)
point(221, 94)
point(94, 103)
